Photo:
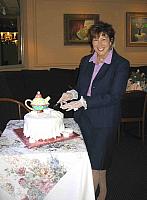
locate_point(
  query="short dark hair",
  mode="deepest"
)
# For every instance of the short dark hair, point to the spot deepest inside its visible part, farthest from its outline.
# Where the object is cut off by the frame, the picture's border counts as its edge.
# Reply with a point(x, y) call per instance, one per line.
point(101, 27)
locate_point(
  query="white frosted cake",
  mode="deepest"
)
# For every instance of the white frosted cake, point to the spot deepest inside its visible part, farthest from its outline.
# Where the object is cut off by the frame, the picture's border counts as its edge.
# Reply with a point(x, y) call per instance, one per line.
point(44, 125)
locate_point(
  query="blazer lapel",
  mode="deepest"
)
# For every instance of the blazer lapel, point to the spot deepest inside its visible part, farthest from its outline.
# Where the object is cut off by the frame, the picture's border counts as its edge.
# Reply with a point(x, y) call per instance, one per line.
point(88, 75)
point(102, 71)
point(90, 69)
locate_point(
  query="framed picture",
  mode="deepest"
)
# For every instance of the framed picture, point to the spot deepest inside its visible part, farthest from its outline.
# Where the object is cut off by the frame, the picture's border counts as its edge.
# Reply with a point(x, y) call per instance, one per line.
point(76, 28)
point(136, 29)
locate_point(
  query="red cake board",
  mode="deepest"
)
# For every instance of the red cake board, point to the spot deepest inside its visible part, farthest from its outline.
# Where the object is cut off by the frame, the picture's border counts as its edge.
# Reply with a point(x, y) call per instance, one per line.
point(25, 140)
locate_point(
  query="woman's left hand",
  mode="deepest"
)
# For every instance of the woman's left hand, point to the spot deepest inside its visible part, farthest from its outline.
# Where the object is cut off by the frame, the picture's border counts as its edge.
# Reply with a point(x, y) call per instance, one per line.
point(73, 105)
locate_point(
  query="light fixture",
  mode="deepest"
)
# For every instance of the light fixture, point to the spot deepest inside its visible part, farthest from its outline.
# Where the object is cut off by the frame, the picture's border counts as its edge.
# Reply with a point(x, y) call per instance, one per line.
point(9, 37)
point(3, 11)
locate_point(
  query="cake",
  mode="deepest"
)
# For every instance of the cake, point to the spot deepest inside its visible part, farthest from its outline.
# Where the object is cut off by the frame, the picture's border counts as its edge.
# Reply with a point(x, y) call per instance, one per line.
point(43, 125)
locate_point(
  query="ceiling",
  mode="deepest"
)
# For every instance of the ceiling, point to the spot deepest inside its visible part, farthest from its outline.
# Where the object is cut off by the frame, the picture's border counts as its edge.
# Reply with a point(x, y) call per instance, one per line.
point(9, 8)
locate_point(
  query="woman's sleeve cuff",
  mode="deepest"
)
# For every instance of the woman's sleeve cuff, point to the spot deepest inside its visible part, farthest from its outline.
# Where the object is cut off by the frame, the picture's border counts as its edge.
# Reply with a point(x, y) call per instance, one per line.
point(83, 101)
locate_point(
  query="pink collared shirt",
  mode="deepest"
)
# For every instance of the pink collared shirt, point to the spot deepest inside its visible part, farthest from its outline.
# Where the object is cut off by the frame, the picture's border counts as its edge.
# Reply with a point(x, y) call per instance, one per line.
point(98, 67)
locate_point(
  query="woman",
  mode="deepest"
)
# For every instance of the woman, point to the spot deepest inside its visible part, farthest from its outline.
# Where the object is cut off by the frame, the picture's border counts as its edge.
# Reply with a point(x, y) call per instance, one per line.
point(101, 83)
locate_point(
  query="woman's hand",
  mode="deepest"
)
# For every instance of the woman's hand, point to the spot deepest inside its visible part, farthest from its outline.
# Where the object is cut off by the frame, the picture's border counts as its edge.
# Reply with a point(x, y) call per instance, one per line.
point(66, 96)
point(73, 105)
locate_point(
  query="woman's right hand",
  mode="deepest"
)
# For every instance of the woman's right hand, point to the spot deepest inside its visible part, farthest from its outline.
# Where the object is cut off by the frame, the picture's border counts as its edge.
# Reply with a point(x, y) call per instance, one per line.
point(66, 96)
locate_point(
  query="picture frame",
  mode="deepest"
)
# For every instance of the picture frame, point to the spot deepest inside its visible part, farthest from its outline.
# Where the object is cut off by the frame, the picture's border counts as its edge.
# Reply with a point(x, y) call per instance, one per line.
point(76, 28)
point(136, 29)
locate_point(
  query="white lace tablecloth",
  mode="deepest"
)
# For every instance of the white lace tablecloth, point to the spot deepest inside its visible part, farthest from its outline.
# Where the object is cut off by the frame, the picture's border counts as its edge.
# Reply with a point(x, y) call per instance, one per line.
point(58, 171)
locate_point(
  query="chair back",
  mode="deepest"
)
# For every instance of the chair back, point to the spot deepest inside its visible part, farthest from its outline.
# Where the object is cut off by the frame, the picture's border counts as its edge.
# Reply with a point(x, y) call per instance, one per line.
point(11, 109)
point(134, 104)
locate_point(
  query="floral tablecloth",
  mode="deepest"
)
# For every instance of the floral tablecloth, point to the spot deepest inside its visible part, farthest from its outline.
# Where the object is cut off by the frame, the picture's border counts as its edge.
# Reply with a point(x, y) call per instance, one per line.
point(55, 171)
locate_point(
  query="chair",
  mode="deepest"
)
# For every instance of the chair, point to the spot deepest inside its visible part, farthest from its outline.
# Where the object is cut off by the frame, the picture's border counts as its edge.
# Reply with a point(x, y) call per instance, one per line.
point(134, 107)
point(11, 109)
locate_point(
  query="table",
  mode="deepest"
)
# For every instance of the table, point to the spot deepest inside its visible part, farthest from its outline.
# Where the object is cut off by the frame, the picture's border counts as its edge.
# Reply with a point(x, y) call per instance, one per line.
point(136, 86)
point(58, 171)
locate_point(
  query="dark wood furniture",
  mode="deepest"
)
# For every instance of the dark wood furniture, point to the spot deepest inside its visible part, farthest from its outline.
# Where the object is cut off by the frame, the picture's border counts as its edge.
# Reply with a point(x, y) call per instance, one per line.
point(11, 109)
point(134, 107)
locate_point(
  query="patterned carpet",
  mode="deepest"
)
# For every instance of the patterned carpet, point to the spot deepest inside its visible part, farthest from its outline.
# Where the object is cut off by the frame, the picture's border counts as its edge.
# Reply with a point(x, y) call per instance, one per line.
point(127, 178)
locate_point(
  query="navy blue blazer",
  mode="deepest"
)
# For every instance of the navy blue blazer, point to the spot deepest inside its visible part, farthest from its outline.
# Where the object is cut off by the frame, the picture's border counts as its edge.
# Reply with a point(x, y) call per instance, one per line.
point(103, 106)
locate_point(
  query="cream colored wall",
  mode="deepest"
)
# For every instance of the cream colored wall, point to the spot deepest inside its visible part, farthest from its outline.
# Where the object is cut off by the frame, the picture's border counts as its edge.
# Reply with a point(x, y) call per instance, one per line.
point(43, 30)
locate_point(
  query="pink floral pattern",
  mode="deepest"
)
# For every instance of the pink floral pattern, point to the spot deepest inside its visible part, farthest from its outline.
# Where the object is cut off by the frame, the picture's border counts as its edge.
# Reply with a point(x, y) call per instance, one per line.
point(36, 178)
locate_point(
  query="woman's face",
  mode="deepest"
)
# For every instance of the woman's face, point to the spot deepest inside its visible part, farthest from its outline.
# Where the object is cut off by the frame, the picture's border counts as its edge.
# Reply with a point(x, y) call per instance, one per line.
point(102, 44)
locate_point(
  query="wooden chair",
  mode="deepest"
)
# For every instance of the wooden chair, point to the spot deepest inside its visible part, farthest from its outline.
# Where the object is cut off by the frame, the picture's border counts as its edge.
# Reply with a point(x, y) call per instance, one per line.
point(11, 109)
point(134, 108)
